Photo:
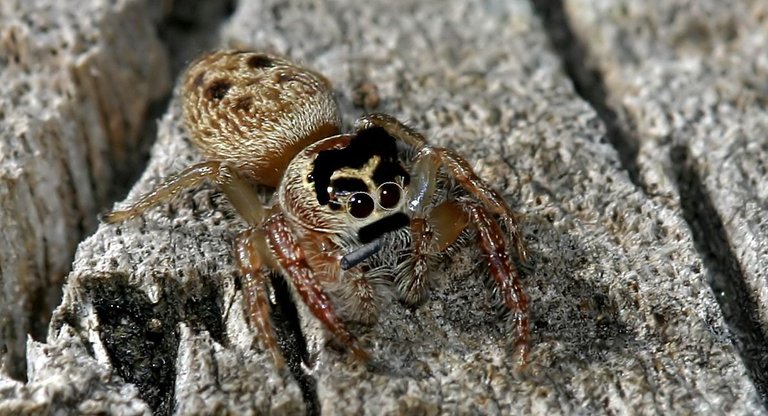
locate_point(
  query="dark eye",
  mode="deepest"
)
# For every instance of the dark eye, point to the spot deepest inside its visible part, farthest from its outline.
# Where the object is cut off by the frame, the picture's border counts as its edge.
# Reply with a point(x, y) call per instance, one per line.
point(360, 205)
point(389, 195)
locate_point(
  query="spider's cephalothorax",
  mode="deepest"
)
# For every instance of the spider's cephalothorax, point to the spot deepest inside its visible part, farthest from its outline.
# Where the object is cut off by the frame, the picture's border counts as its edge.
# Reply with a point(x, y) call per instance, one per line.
point(347, 184)
point(261, 120)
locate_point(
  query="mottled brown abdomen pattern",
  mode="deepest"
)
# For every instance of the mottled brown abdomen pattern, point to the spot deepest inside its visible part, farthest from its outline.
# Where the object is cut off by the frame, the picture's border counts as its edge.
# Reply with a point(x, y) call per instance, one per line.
point(256, 110)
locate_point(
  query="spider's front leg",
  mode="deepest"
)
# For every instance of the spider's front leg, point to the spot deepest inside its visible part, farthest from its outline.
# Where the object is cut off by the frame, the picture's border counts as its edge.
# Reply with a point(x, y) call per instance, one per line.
point(292, 260)
point(349, 284)
point(430, 160)
point(441, 228)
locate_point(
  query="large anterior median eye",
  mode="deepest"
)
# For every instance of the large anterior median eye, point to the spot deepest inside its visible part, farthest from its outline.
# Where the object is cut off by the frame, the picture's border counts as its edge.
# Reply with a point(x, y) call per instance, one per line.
point(360, 205)
point(389, 195)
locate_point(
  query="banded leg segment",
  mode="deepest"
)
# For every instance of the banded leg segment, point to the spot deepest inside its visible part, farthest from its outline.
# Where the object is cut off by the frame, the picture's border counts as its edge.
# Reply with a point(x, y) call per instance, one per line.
point(238, 190)
point(504, 272)
point(355, 297)
point(429, 235)
point(249, 262)
point(293, 262)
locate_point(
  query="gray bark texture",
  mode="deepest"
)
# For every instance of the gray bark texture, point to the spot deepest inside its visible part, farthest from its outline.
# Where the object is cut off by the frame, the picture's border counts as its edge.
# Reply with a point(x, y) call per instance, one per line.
point(631, 137)
point(76, 80)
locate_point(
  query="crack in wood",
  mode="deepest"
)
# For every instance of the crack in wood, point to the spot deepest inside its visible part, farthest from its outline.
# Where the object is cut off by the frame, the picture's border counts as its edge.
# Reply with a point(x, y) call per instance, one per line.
point(725, 275)
point(292, 343)
point(588, 83)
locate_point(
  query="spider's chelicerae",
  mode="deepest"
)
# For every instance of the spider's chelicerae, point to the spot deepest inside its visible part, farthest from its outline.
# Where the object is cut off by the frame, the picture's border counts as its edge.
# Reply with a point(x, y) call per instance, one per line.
point(262, 120)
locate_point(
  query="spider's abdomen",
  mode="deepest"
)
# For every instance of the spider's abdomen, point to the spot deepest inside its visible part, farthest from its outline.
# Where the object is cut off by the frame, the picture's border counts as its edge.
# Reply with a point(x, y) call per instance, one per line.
point(257, 110)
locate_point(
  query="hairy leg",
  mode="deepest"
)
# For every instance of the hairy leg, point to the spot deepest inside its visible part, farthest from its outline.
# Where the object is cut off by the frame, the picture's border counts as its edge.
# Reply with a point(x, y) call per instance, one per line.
point(293, 262)
point(429, 235)
point(249, 261)
point(237, 189)
point(411, 273)
point(504, 272)
point(355, 297)
point(429, 159)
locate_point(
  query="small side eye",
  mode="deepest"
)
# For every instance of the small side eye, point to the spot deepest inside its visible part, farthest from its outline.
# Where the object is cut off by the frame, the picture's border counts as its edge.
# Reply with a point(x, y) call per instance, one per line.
point(389, 195)
point(360, 205)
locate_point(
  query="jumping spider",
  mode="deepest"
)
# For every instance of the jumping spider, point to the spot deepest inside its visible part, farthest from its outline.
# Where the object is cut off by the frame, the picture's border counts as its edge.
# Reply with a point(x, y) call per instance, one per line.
point(262, 120)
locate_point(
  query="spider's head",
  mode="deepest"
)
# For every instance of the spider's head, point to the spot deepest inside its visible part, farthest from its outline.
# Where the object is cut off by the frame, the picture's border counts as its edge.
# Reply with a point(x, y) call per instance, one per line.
point(352, 184)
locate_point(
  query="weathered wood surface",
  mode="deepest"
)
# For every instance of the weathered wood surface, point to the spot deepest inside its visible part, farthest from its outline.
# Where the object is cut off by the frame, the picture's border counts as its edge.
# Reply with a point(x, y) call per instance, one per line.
point(624, 317)
point(76, 79)
point(694, 108)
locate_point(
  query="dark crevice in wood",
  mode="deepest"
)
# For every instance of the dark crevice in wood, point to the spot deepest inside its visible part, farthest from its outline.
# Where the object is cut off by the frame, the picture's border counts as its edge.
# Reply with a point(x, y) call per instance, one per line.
point(292, 343)
point(141, 337)
point(588, 83)
point(725, 275)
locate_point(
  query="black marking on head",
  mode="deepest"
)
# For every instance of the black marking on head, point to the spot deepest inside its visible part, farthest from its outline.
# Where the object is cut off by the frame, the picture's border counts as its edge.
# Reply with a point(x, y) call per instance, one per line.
point(367, 143)
point(260, 61)
point(388, 172)
point(387, 224)
point(348, 185)
point(217, 89)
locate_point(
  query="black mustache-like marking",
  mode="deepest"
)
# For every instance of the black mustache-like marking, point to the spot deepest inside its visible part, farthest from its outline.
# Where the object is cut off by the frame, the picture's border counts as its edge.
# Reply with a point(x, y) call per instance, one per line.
point(377, 229)
point(371, 235)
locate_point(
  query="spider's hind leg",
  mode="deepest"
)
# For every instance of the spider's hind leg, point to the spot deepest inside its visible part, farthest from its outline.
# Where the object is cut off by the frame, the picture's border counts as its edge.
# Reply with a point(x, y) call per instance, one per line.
point(251, 253)
point(238, 190)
